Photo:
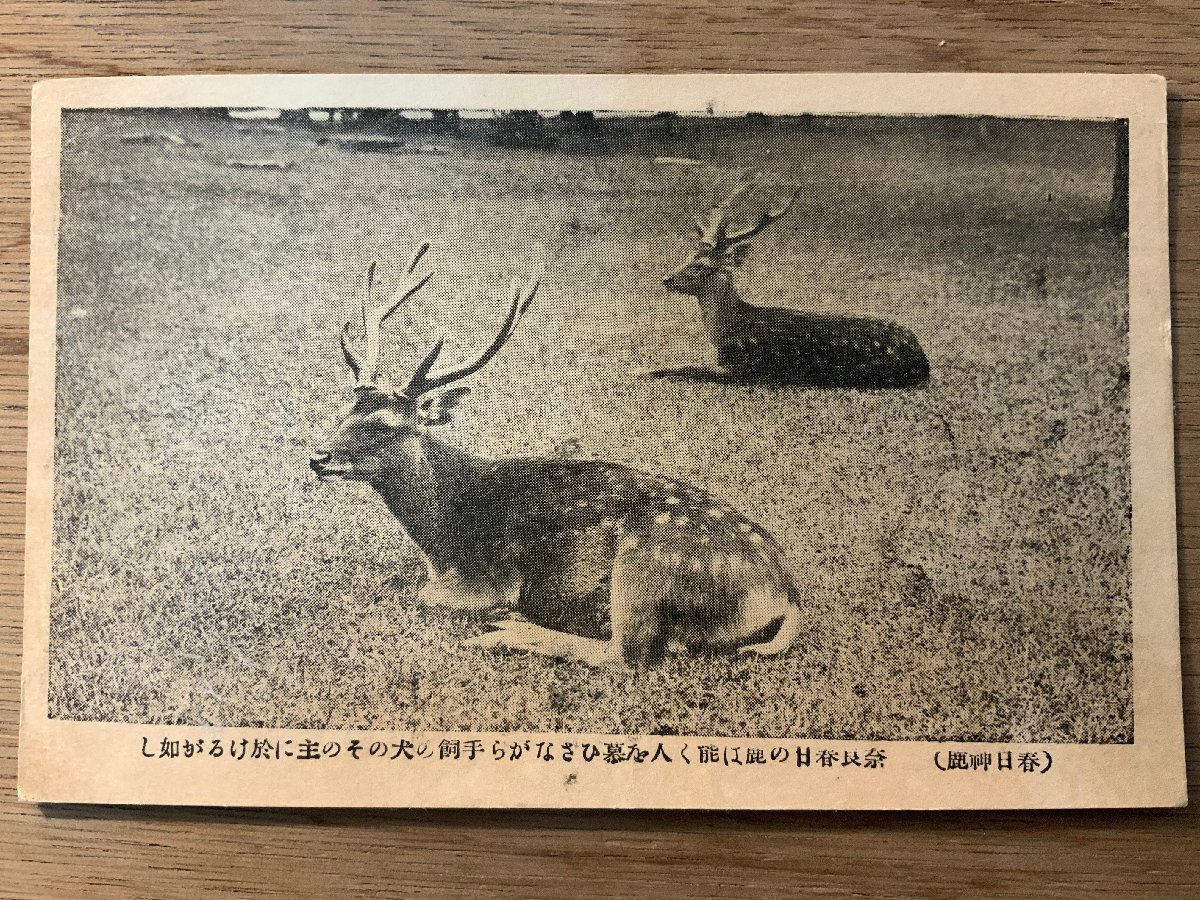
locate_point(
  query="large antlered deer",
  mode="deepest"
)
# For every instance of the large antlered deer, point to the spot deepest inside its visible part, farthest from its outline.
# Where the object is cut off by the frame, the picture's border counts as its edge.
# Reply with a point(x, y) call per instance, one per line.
point(603, 562)
point(770, 343)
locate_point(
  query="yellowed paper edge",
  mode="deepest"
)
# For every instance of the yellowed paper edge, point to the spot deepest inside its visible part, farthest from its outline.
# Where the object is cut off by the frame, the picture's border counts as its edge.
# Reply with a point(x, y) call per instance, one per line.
point(63, 761)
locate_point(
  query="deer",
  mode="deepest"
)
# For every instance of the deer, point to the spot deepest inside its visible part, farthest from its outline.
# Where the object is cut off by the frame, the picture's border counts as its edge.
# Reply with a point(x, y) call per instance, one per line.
point(760, 343)
point(576, 559)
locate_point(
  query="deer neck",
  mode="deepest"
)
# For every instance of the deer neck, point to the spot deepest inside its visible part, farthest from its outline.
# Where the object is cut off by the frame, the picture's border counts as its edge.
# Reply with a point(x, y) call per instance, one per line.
point(720, 304)
point(423, 492)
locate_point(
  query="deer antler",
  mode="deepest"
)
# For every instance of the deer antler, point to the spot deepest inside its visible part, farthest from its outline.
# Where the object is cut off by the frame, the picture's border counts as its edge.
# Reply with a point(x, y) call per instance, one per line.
point(422, 383)
point(766, 217)
point(714, 231)
point(366, 366)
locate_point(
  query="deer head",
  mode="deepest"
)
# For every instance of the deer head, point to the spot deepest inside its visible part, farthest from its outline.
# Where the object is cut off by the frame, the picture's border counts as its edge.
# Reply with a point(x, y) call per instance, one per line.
point(720, 249)
point(385, 433)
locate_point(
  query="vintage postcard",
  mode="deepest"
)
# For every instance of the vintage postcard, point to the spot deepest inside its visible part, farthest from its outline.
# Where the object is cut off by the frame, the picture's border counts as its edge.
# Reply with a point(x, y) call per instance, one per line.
point(545, 441)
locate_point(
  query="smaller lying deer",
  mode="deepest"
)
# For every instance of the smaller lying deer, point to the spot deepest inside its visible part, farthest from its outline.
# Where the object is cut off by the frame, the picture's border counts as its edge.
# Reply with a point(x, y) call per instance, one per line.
point(758, 342)
point(605, 563)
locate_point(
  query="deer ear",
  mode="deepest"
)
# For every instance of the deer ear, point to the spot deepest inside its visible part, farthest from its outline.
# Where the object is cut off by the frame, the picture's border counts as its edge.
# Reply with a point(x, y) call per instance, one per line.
point(436, 410)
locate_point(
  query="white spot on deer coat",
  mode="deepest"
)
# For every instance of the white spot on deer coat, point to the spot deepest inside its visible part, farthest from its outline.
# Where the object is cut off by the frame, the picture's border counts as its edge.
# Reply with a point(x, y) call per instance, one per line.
point(662, 518)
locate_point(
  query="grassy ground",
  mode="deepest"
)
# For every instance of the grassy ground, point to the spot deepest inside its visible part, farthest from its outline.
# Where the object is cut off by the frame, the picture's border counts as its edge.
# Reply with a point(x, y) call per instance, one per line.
point(964, 547)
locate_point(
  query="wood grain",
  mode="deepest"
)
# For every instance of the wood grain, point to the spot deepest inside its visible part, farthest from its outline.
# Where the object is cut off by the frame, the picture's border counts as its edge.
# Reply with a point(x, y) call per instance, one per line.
point(48, 852)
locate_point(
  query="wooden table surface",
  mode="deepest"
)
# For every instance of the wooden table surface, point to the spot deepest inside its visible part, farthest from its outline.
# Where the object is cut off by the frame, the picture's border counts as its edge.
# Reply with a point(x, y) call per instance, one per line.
point(88, 851)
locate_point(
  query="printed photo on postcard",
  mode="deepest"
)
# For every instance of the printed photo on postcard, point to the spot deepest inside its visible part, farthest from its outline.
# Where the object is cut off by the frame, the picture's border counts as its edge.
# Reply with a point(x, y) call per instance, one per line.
point(718, 442)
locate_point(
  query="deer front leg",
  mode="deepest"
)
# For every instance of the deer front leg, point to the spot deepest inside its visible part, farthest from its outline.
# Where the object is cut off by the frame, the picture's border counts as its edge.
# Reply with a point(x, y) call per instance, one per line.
point(708, 369)
point(451, 592)
point(630, 644)
point(517, 634)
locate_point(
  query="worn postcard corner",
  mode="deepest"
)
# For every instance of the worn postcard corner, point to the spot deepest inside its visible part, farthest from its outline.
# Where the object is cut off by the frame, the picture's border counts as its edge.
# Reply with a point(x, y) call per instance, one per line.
point(752, 442)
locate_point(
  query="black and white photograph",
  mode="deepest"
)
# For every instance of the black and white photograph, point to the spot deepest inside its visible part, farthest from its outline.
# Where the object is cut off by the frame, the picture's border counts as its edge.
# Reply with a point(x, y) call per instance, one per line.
point(714, 422)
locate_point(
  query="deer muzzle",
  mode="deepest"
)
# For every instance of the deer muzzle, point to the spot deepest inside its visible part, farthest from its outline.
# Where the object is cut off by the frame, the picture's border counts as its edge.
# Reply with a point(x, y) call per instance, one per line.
point(671, 282)
point(320, 462)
